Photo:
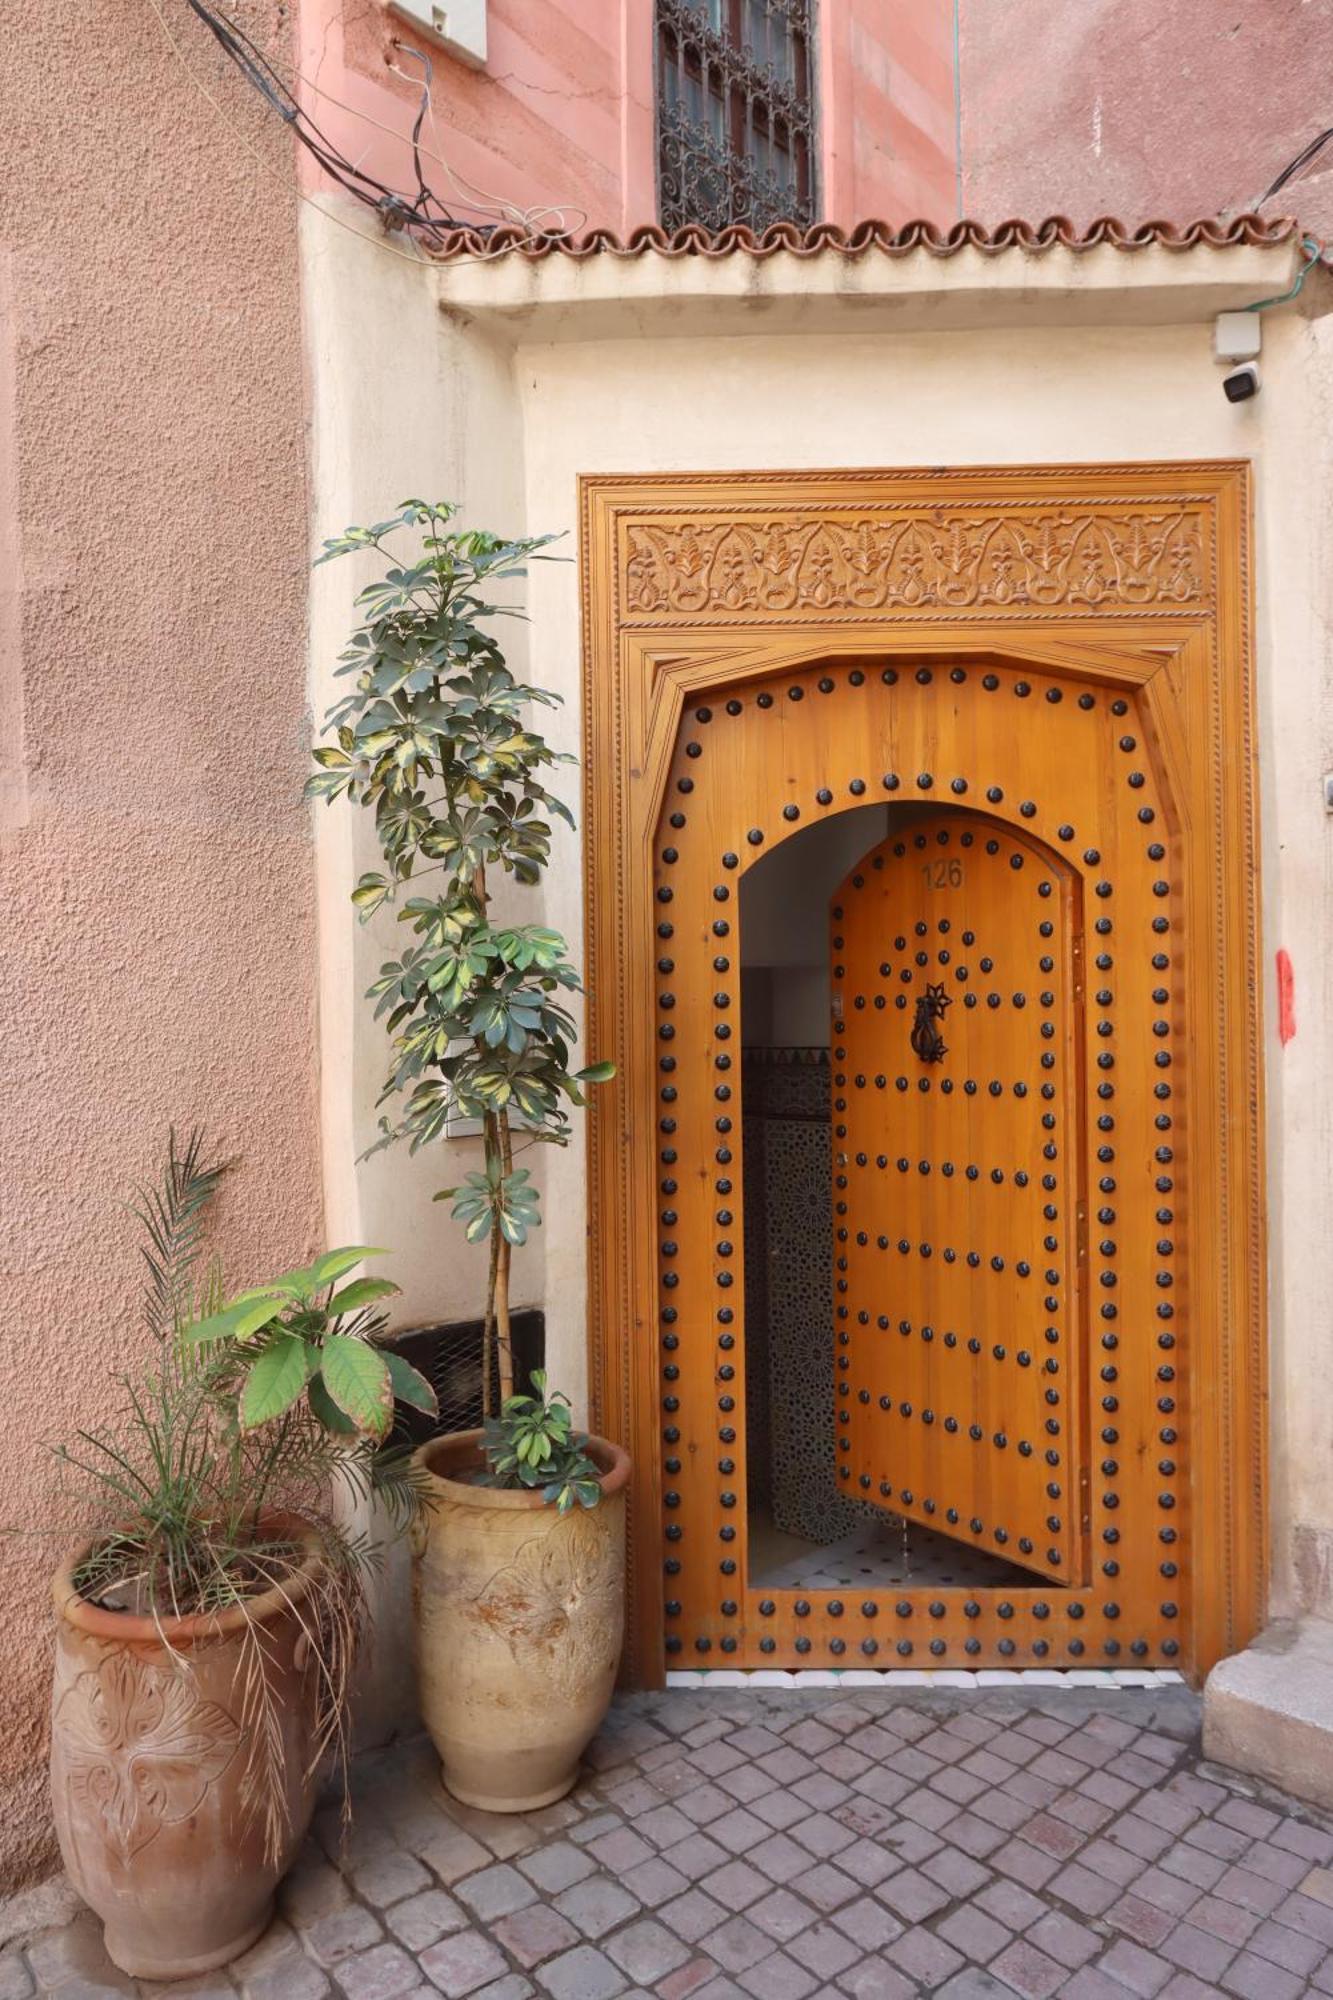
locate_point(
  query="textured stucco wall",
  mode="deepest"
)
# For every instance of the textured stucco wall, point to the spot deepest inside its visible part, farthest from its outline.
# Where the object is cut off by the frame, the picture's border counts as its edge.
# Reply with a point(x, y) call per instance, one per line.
point(886, 110)
point(156, 876)
point(1132, 108)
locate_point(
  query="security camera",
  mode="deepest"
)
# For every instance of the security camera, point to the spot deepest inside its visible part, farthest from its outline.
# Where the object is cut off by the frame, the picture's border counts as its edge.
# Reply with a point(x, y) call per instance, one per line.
point(1239, 384)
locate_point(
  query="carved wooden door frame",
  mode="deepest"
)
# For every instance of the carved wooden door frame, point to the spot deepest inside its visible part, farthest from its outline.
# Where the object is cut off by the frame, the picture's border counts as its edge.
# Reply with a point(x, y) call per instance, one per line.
point(1098, 578)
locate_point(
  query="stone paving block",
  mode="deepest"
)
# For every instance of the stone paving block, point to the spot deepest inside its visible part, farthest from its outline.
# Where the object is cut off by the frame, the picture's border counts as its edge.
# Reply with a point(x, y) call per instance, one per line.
point(1029, 1971)
point(1302, 1913)
point(685, 1980)
point(1197, 1951)
point(1025, 1864)
point(912, 1895)
point(388, 1877)
point(974, 1984)
point(779, 1978)
point(333, 1938)
point(1060, 1937)
point(451, 1853)
point(972, 1932)
point(1090, 1984)
point(825, 1951)
point(1143, 1922)
point(582, 1974)
point(872, 1979)
point(596, 1906)
point(654, 1882)
point(1139, 1970)
point(958, 1873)
point(1171, 1893)
point(737, 1885)
point(924, 1957)
point(868, 1923)
point(1287, 1948)
point(782, 1915)
point(690, 1915)
point(1191, 1864)
point(513, 1986)
point(778, 1809)
point(1311, 1841)
point(1227, 1921)
point(647, 1951)
point(699, 1856)
point(535, 1933)
point(385, 1972)
point(423, 1919)
point(557, 1866)
point(1255, 1979)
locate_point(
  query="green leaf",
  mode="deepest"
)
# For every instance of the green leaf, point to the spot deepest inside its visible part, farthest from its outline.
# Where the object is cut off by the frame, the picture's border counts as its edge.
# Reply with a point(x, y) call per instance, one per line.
point(409, 1386)
point(238, 1321)
point(361, 1292)
point(274, 1380)
point(335, 1263)
point(327, 1411)
point(601, 1072)
point(356, 1375)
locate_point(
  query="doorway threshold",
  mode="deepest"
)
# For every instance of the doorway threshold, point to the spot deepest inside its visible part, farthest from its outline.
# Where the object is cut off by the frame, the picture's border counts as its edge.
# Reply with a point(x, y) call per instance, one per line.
point(985, 1677)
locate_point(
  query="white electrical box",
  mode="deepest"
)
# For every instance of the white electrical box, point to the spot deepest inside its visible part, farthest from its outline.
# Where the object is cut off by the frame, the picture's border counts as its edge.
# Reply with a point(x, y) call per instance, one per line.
point(1237, 336)
point(457, 25)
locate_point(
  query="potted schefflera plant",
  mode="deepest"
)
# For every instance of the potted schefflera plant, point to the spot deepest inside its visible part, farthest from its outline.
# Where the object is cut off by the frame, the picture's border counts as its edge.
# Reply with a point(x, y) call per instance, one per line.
point(208, 1615)
point(519, 1582)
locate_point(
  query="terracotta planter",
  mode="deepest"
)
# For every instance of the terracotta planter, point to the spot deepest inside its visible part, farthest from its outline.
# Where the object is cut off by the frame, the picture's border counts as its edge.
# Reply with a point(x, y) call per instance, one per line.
point(148, 1765)
point(520, 1617)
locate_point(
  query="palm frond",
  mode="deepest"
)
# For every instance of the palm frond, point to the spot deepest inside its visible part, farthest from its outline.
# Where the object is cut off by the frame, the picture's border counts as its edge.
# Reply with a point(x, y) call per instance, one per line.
point(172, 1216)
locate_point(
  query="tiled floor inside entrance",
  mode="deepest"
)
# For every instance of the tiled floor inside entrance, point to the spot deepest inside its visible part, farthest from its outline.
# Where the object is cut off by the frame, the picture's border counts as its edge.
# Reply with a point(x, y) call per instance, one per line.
point(874, 1556)
point(794, 1844)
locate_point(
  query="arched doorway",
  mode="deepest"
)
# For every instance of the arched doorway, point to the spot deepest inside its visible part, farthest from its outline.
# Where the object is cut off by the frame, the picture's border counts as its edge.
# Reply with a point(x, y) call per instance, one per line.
point(1089, 1188)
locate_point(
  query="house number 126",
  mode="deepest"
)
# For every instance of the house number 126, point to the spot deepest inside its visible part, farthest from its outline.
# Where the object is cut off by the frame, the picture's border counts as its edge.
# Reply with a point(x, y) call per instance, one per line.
point(943, 874)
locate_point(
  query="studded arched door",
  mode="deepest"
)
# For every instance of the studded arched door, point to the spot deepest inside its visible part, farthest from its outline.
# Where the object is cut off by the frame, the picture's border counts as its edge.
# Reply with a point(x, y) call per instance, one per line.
point(1061, 653)
point(955, 977)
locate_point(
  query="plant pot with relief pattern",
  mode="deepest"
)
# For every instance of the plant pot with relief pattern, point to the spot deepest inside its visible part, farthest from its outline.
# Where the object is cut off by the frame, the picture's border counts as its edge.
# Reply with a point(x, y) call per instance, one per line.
point(519, 1618)
point(153, 1775)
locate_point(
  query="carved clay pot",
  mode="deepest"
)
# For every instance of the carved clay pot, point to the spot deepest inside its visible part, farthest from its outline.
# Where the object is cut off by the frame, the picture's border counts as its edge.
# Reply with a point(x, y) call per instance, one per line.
point(149, 1761)
point(520, 1617)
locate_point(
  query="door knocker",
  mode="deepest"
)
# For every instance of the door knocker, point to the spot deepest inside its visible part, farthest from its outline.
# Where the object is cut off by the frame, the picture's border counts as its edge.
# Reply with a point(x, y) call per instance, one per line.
point(927, 1041)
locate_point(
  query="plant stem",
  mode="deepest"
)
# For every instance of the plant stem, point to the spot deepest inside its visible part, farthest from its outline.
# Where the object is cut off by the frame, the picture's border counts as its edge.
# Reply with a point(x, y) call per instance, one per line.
point(503, 1337)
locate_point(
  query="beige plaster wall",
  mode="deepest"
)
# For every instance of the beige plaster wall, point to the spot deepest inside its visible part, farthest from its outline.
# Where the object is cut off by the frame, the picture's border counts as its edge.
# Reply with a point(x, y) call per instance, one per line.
point(156, 876)
point(991, 365)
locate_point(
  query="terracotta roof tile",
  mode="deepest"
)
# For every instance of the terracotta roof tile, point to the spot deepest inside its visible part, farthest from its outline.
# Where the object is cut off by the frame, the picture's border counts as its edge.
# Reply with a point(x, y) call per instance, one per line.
point(693, 241)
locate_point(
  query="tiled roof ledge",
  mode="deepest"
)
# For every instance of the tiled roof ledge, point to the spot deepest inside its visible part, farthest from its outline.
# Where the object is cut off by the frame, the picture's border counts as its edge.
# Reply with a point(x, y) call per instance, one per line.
point(868, 280)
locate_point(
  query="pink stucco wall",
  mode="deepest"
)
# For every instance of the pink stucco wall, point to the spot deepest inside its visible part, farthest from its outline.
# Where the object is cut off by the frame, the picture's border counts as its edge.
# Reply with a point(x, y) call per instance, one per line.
point(1136, 109)
point(155, 865)
point(562, 114)
point(887, 110)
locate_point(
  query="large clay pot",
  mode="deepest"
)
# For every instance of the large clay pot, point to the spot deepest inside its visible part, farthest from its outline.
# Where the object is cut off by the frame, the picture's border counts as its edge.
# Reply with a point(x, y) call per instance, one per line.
point(520, 1617)
point(149, 1760)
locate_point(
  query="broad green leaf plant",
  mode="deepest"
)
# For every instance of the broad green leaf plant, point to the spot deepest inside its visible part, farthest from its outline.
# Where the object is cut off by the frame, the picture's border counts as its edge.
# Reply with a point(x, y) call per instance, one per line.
point(533, 1443)
point(434, 737)
point(303, 1335)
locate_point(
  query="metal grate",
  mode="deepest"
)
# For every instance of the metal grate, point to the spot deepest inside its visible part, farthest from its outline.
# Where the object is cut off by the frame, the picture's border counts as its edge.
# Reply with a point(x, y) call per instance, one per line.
point(450, 1359)
point(735, 112)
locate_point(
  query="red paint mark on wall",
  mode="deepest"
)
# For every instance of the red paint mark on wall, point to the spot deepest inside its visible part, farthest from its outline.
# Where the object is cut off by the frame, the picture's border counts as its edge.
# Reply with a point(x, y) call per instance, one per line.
point(1286, 998)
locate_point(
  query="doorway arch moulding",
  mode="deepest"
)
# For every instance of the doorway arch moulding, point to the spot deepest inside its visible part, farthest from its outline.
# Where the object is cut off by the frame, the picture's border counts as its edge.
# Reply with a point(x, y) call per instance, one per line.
point(1115, 583)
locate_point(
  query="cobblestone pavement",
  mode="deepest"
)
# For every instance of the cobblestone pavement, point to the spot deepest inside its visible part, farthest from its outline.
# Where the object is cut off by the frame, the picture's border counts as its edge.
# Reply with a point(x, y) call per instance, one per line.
point(775, 1845)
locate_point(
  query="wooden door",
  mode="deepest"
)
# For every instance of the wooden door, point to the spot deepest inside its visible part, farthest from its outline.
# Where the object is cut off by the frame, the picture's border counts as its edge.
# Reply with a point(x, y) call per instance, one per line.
point(1064, 653)
point(955, 979)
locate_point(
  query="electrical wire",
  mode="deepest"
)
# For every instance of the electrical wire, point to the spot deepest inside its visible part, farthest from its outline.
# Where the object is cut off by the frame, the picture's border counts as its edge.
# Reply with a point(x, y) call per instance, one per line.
point(266, 165)
point(1302, 160)
point(420, 214)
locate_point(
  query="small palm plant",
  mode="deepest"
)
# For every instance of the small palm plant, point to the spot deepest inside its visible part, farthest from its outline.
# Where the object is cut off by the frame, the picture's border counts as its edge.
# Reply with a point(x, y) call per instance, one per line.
point(246, 1418)
point(433, 737)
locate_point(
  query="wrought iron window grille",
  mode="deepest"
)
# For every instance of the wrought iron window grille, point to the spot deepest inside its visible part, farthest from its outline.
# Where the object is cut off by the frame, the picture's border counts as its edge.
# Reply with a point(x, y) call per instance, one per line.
point(735, 112)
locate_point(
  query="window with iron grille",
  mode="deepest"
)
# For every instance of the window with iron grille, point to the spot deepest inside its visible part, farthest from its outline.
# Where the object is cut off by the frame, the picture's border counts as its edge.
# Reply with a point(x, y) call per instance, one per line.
point(735, 112)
